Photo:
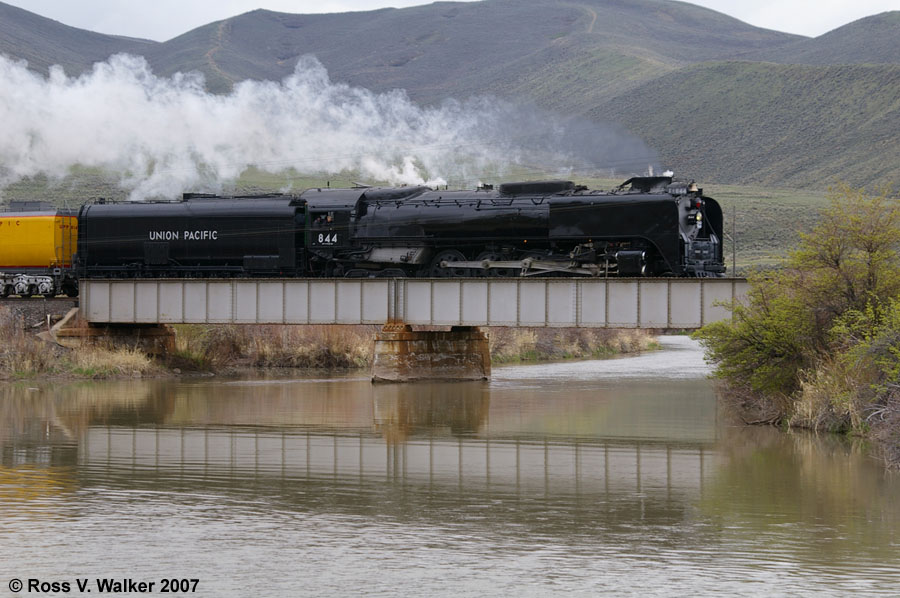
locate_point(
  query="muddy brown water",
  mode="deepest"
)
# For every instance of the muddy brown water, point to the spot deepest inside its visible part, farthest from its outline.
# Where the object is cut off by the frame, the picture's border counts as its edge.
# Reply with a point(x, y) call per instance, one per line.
point(617, 477)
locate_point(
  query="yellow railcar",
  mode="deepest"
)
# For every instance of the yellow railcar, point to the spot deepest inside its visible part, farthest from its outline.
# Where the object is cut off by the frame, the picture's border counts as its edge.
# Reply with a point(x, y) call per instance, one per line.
point(36, 250)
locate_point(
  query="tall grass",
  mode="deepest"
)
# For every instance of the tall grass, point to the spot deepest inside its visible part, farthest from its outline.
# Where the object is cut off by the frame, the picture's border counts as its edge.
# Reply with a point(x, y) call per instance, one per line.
point(834, 396)
point(546, 344)
point(105, 362)
point(314, 346)
point(340, 347)
point(23, 355)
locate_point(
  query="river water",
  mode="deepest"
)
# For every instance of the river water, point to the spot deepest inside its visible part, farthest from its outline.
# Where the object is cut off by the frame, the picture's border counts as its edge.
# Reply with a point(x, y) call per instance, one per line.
point(619, 477)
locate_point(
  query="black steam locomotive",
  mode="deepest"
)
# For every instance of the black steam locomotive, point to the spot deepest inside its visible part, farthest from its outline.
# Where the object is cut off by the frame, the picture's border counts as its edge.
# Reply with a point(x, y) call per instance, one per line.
point(649, 226)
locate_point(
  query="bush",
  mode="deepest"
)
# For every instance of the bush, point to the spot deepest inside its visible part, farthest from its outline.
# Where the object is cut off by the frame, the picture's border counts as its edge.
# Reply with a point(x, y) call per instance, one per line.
point(820, 336)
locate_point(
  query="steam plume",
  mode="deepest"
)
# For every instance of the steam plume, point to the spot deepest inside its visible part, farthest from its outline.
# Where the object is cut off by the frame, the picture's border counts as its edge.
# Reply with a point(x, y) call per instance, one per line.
point(163, 136)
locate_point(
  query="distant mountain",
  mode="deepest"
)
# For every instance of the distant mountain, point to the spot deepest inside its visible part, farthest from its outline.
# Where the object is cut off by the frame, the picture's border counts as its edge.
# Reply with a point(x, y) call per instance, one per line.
point(720, 99)
point(457, 49)
point(44, 42)
point(872, 40)
point(433, 51)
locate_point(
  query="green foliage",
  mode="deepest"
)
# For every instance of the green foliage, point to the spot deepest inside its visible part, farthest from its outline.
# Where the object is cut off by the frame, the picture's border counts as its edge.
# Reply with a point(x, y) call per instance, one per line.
point(852, 255)
point(769, 340)
point(824, 330)
point(872, 335)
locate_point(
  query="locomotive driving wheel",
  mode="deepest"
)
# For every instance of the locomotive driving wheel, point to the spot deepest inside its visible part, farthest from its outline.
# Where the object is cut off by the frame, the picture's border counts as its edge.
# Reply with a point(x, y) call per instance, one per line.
point(491, 256)
point(436, 270)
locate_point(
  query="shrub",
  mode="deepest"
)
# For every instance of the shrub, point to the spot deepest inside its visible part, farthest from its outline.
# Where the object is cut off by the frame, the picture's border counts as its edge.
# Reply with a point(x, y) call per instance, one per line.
point(819, 337)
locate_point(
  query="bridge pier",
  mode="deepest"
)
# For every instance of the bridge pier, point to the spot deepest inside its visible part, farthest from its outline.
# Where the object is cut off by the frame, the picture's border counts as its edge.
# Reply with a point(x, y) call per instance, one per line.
point(74, 332)
point(406, 355)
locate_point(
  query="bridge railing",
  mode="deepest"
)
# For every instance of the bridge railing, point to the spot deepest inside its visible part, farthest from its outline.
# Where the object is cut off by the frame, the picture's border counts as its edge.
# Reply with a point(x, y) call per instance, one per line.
point(543, 302)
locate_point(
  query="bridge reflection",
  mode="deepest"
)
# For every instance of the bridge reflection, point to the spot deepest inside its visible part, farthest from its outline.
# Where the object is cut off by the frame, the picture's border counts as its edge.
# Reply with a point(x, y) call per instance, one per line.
point(472, 436)
point(535, 460)
point(622, 467)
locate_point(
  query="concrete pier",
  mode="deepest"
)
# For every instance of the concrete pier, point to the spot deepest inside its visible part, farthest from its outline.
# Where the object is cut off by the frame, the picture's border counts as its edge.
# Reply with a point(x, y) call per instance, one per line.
point(73, 332)
point(405, 355)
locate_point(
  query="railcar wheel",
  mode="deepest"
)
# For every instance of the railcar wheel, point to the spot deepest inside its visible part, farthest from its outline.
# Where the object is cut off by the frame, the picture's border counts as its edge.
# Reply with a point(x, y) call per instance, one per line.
point(435, 270)
point(5, 291)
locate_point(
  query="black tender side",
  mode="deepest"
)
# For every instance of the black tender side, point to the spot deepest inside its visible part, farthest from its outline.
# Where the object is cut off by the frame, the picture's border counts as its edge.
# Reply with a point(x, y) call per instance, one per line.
point(211, 237)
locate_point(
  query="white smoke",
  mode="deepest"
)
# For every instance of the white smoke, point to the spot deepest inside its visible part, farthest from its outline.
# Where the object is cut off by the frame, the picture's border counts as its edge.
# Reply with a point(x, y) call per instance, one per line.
point(163, 136)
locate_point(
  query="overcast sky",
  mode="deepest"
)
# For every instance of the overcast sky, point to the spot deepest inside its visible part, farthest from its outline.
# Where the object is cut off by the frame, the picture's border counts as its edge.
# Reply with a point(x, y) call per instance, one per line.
point(164, 19)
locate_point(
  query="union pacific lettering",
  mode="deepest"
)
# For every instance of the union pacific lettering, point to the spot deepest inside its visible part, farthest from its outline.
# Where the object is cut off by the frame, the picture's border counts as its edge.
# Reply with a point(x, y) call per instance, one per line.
point(188, 235)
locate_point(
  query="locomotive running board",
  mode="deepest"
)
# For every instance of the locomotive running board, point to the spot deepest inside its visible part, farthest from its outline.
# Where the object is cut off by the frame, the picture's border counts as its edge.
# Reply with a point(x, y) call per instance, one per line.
point(528, 267)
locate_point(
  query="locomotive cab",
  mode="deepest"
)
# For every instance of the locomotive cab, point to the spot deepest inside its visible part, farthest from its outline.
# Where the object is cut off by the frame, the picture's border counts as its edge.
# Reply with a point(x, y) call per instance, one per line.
point(701, 229)
point(329, 229)
point(699, 223)
point(329, 214)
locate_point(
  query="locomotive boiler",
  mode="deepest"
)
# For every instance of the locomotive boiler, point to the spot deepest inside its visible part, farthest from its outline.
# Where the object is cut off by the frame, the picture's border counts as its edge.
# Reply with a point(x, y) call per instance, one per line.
point(648, 226)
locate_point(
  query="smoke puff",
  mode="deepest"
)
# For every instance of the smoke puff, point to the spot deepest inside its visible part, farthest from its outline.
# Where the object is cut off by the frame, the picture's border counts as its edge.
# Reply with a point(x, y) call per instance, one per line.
point(167, 135)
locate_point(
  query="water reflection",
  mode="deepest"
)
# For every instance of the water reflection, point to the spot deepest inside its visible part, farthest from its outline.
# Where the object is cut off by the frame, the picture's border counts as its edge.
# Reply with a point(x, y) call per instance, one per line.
point(458, 434)
point(625, 470)
point(402, 411)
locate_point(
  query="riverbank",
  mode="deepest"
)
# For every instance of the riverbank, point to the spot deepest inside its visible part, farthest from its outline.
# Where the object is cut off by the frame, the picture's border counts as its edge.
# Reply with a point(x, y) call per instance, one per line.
point(24, 355)
point(825, 406)
point(527, 345)
point(816, 344)
point(348, 347)
point(225, 349)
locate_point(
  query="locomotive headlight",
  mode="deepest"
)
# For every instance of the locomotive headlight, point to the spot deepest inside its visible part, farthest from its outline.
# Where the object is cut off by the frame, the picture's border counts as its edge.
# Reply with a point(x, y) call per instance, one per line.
point(699, 217)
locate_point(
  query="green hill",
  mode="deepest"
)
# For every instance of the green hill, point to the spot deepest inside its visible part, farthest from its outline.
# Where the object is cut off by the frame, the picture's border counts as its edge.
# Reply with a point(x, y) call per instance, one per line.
point(452, 49)
point(763, 123)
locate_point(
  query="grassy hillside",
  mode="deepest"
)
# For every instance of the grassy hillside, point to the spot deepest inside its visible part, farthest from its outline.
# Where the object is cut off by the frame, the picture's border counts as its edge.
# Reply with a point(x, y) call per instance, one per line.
point(769, 124)
point(44, 42)
point(451, 49)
